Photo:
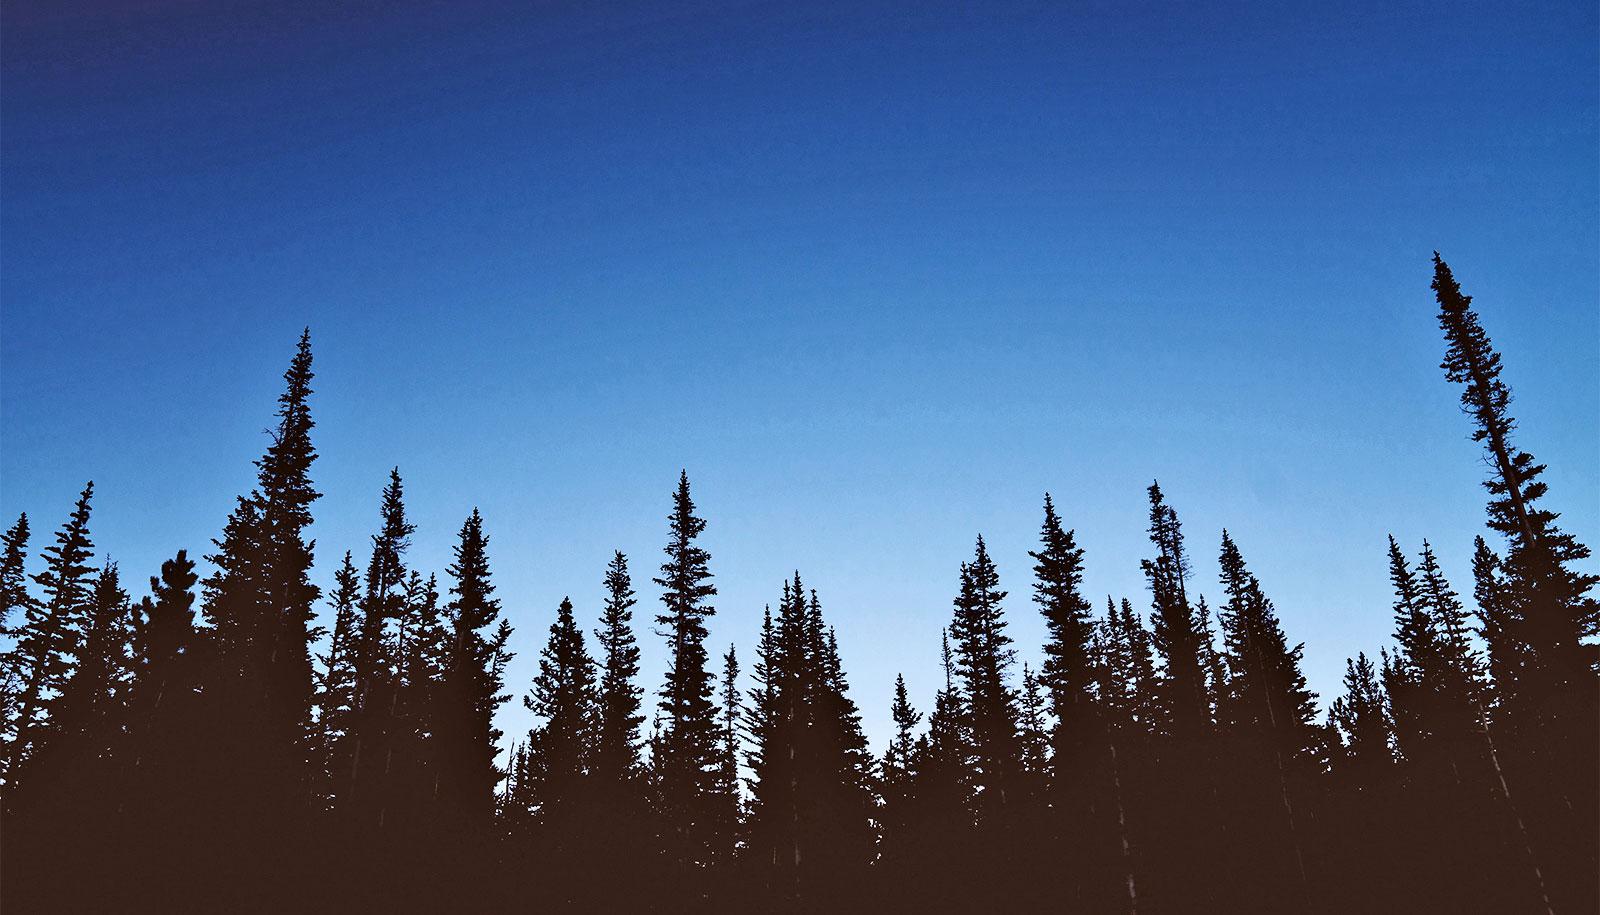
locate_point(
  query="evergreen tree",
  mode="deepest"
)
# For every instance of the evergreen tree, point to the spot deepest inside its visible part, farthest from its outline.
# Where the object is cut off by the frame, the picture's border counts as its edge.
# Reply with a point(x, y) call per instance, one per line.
point(563, 698)
point(87, 717)
point(1508, 654)
point(899, 767)
point(727, 797)
point(369, 748)
point(1067, 675)
point(1175, 625)
point(336, 682)
point(1366, 752)
point(983, 656)
point(258, 684)
point(13, 577)
point(165, 729)
point(616, 756)
point(1269, 713)
point(472, 680)
point(1551, 601)
point(687, 765)
point(1032, 728)
point(1558, 612)
point(47, 643)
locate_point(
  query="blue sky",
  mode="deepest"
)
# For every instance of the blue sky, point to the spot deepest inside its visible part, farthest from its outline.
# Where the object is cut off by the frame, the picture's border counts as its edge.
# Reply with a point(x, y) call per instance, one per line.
point(878, 275)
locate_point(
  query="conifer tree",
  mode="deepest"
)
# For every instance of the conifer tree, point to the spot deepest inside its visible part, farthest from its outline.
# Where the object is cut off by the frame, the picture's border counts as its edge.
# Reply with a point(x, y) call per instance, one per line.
point(260, 606)
point(336, 682)
point(687, 765)
point(165, 729)
point(1553, 597)
point(1508, 654)
point(472, 680)
point(983, 657)
point(1269, 713)
point(13, 576)
point(1035, 745)
point(1175, 625)
point(1361, 719)
point(726, 794)
point(564, 699)
point(899, 766)
point(1067, 675)
point(369, 748)
point(616, 756)
point(87, 718)
point(47, 643)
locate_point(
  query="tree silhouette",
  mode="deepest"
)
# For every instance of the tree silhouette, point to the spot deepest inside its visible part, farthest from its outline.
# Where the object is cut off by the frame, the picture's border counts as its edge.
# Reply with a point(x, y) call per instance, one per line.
point(687, 763)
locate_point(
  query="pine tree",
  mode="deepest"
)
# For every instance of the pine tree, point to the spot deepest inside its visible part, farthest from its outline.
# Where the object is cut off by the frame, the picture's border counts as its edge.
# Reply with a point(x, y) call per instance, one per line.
point(899, 766)
point(687, 765)
point(260, 605)
point(1361, 719)
point(87, 718)
point(563, 697)
point(336, 683)
point(13, 577)
point(1035, 743)
point(369, 748)
point(726, 793)
point(47, 643)
point(1410, 674)
point(165, 728)
point(1553, 597)
point(616, 756)
point(472, 680)
point(1067, 675)
point(1269, 713)
point(1508, 655)
point(1175, 625)
point(983, 656)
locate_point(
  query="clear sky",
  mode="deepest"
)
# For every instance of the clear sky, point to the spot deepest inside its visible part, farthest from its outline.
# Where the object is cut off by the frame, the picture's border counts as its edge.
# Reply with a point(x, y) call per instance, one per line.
point(878, 276)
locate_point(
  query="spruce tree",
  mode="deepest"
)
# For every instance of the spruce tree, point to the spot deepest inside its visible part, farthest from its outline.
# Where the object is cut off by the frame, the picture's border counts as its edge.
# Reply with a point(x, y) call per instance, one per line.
point(1032, 727)
point(47, 643)
point(472, 680)
point(899, 767)
point(1067, 675)
point(260, 605)
point(88, 716)
point(563, 698)
point(1175, 625)
point(1269, 713)
point(726, 797)
point(983, 658)
point(165, 731)
point(1553, 596)
point(687, 764)
point(13, 576)
point(364, 762)
point(616, 755)
point(1498, 622)
point(336, 683)
point(1362, 721)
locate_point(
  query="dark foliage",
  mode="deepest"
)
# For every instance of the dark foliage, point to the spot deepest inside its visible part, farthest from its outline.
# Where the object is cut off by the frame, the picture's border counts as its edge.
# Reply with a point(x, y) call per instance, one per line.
point(182, 752)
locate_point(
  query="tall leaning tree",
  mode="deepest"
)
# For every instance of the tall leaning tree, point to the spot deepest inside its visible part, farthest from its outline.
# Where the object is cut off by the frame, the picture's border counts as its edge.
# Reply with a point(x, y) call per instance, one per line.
point(1545, 602)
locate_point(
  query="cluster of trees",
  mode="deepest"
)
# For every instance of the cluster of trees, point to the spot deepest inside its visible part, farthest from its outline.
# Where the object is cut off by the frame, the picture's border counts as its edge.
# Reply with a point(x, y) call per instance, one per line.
point(210, 747)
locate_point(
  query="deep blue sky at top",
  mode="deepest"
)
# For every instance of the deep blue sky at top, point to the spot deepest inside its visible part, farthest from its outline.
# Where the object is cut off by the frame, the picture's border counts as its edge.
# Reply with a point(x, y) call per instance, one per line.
point(878, 275)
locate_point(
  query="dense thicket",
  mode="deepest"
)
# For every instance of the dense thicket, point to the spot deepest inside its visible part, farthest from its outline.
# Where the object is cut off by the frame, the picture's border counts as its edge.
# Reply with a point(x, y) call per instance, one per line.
point(209, 747)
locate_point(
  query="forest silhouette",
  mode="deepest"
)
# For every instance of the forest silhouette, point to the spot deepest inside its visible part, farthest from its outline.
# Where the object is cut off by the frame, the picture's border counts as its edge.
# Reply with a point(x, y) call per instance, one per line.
point(209, 747)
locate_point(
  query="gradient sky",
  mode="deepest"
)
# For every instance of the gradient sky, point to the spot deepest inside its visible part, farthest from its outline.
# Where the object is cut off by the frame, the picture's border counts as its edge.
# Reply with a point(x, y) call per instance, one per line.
point(878, 276)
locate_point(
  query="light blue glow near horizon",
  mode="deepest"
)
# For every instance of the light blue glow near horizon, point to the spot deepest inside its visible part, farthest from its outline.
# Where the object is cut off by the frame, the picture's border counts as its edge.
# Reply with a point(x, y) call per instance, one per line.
point(878, 280)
